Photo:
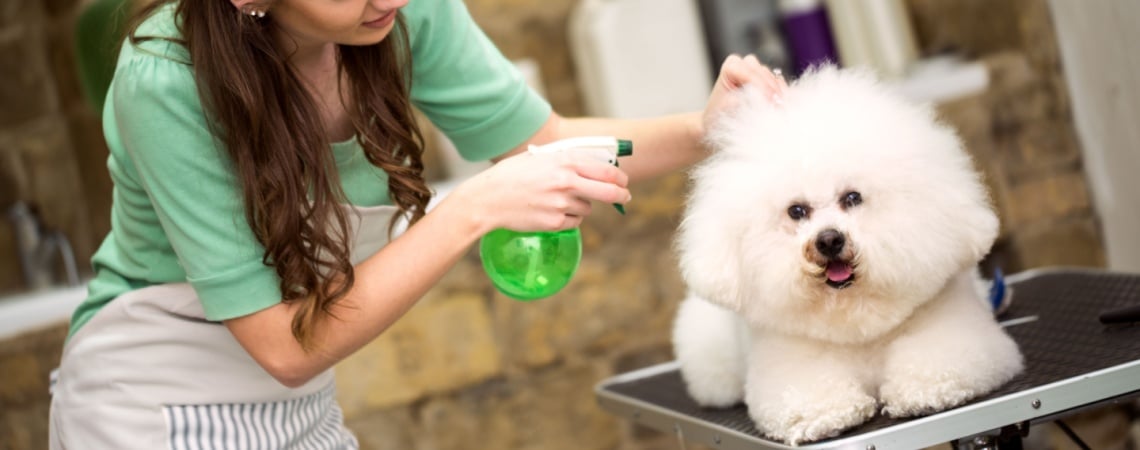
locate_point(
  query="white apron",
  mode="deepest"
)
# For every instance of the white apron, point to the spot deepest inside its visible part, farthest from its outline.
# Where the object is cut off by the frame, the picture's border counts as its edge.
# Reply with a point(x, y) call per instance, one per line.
point(148, 371)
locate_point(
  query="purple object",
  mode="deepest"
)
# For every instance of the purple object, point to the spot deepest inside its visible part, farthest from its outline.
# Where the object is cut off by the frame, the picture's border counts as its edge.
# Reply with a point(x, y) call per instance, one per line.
point(809, 38)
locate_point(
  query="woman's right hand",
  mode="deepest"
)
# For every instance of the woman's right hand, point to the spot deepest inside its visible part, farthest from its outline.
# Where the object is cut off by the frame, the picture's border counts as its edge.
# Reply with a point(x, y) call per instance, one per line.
point(540, 192)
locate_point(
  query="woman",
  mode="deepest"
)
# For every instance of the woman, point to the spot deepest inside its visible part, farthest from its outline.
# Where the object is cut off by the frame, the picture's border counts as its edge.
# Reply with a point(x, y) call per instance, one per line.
point(261, 151)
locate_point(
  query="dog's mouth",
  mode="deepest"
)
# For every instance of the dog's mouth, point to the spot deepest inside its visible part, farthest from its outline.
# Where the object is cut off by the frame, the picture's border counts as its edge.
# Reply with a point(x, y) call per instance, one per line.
point(839, 273)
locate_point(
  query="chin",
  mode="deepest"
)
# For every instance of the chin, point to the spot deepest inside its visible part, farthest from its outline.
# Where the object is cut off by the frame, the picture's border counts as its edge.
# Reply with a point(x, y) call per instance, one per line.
point(830, 246)
point(368, 36)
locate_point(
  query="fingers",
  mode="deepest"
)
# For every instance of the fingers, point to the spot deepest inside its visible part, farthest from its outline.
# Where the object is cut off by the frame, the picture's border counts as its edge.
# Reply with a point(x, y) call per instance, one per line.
point(738, 71)
point(600, 191)
point(578, 207)
point(569, 222)
point(548, 191)
point(600, 181)
point(733, 74)
point(569, 213)
point(599, 171)
point(780, 78)
point(759, 73)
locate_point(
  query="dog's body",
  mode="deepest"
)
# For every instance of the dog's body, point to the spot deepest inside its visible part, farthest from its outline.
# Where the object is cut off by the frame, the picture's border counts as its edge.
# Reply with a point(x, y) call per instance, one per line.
point(830, 246)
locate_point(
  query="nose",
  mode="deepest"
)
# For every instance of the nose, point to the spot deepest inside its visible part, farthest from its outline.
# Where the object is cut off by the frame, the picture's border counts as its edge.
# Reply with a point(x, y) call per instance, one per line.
point(830, 243)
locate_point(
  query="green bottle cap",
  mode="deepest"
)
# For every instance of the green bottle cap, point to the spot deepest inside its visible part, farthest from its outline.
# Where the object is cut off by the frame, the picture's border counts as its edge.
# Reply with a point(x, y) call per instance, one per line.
point(625, 147)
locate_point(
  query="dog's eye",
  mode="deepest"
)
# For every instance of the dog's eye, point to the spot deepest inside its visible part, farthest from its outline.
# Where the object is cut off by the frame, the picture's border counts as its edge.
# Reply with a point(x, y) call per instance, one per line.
point(851, 199)
point(797, 212)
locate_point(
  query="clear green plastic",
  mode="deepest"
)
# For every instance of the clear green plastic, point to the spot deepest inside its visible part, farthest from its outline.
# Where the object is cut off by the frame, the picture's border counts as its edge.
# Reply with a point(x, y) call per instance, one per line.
point(531, 265)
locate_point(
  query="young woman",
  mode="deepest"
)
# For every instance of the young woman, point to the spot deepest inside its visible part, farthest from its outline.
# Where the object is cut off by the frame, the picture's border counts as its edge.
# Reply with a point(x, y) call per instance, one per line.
point(261, 150)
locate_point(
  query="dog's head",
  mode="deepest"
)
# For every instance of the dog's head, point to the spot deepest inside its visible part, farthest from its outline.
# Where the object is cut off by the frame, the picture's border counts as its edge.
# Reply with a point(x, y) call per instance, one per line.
point(833, 214)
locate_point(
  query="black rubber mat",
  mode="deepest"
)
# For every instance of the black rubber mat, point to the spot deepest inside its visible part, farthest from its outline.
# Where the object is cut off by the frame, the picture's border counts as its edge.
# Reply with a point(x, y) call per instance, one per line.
point(1067, 340)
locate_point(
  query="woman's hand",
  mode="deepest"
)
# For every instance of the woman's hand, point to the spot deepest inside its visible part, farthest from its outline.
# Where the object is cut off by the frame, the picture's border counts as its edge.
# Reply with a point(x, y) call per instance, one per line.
point(734, 74)
point(540, 192)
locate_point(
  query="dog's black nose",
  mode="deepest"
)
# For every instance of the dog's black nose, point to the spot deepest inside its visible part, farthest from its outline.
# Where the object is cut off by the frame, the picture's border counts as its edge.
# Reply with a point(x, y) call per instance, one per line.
point(830, 243)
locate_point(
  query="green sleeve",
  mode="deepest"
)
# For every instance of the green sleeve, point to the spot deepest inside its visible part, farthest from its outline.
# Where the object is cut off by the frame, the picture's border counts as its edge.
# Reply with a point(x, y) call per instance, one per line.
point(191, 186)
point(465, 86)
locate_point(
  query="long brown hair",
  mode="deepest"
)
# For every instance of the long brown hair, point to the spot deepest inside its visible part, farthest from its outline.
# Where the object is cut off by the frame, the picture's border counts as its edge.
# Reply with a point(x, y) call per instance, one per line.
point(261, 111)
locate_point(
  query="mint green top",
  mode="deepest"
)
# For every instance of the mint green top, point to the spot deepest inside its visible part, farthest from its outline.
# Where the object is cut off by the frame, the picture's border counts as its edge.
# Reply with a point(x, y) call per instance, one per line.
point(177, 213)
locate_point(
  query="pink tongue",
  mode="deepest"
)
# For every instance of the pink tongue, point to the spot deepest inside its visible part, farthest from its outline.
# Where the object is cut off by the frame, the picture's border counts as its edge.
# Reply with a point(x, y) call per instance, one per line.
point(838, 271)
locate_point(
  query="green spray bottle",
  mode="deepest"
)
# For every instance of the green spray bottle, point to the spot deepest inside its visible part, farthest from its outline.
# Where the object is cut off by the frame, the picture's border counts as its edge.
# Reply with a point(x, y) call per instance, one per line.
point(533, 265)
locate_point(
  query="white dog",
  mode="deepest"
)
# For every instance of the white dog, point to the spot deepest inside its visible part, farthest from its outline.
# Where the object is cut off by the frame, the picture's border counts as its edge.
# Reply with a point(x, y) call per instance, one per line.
point(830, 246)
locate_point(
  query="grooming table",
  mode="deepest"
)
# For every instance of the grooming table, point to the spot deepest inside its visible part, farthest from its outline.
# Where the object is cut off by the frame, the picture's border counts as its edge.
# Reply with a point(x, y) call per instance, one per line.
point(1073, 363)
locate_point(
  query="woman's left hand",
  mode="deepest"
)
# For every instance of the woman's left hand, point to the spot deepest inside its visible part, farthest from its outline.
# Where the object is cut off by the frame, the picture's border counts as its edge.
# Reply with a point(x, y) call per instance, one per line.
point(735, 73)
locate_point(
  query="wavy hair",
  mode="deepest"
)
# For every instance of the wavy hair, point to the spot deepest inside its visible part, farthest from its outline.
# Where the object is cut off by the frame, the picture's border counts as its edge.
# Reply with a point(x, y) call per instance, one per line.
point(260, 110)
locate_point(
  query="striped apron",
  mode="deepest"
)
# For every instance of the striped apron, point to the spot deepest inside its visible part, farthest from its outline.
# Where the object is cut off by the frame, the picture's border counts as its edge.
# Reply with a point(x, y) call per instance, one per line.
point(148, 371)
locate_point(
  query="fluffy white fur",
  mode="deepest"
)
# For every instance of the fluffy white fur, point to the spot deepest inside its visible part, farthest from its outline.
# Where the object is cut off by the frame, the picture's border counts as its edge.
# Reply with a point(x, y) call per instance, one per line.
point(909, 334)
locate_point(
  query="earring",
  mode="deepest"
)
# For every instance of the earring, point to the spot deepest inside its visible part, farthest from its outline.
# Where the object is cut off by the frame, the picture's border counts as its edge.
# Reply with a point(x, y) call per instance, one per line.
point(253, 11)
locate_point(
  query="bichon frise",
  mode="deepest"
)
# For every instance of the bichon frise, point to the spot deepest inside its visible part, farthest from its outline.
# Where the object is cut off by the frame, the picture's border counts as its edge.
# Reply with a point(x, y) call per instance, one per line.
point(830, 245)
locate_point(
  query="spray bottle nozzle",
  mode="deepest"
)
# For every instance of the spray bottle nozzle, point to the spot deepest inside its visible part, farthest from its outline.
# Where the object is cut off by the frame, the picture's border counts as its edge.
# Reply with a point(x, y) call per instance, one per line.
point(625, 147)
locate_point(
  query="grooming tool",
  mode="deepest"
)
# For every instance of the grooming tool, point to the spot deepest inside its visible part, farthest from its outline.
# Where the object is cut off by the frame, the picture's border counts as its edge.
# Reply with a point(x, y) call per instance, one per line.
point(533, 265)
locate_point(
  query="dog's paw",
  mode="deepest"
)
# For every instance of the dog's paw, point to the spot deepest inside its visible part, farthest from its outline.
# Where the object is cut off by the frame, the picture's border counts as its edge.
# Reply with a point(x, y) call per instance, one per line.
point(716, 382)
point(914, 396)
point(917, 382)
point(721, 394)
point(808, 417)
point(710, 345)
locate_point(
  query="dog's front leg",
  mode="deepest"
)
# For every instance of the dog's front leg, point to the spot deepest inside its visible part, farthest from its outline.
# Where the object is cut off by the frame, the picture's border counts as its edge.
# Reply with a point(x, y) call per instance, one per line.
point(800, 391)
point(711, 345)
point(950, 352)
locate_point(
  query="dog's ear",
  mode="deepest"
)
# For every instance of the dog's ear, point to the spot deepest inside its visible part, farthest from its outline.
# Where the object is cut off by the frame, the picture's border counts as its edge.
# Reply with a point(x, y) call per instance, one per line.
point(972, 219)
point(983, 225)
point(709, 257)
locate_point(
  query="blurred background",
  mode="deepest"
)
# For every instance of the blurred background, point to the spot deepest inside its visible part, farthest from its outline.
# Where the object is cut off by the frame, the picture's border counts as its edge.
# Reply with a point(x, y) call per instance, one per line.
point(1045, 93)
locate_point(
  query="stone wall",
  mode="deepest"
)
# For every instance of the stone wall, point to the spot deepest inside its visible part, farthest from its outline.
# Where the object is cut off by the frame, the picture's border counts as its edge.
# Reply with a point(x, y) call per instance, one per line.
point(469, 368)
point(50, 140)
point(1021, 129)
point(26, 363)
